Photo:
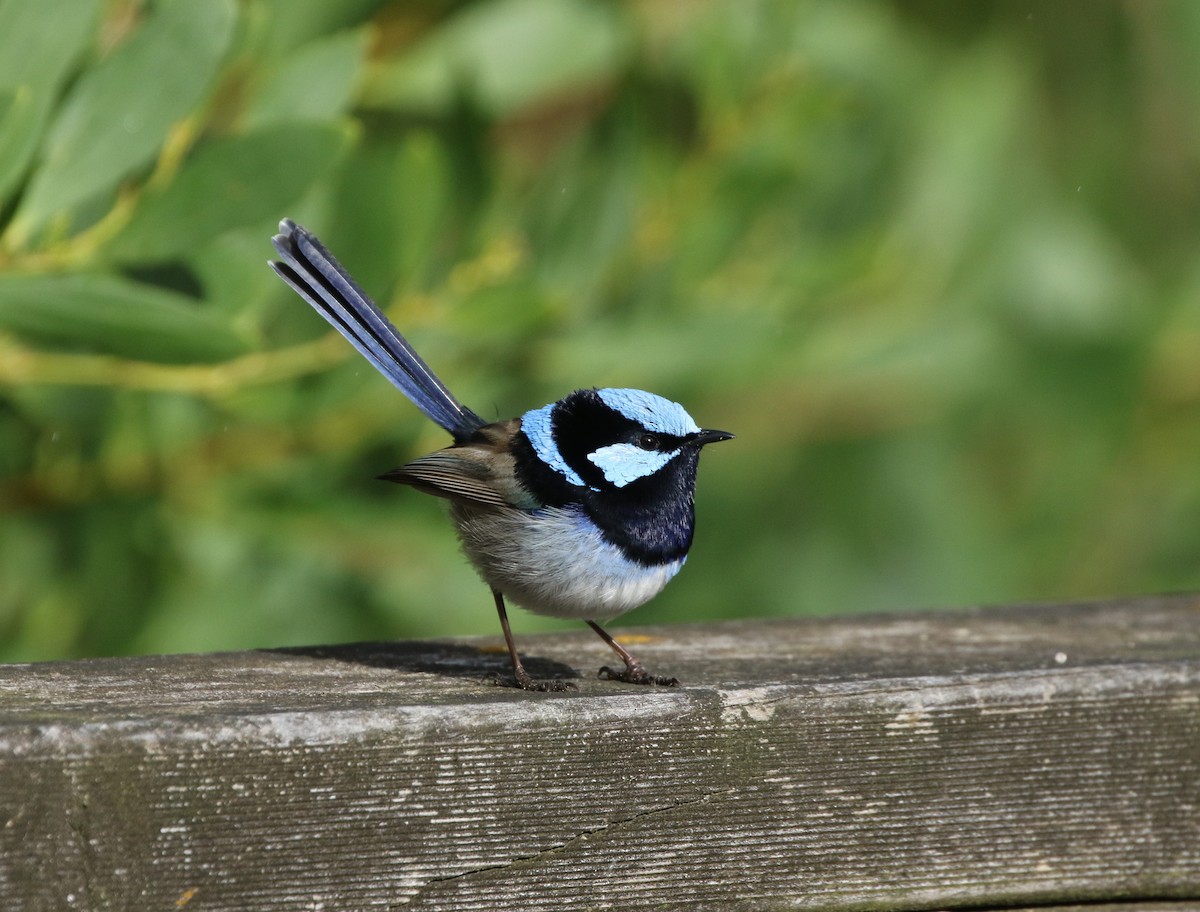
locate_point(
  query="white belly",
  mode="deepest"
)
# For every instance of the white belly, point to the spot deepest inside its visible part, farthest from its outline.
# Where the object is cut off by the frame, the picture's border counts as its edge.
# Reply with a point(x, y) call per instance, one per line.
point(556, 562)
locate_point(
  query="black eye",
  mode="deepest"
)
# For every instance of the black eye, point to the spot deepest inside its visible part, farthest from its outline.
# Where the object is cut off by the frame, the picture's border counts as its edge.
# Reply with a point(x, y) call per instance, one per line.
point(648, 441)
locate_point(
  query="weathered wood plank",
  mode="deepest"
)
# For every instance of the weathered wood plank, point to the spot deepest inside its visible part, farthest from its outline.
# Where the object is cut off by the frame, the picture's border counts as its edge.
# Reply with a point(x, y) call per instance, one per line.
point(1002, 757)
point(1184, 905)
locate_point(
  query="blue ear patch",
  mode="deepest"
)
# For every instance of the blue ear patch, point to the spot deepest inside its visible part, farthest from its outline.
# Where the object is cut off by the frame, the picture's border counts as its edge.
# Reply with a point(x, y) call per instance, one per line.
point(654, 413)
point(623, 463)
point(538, 428)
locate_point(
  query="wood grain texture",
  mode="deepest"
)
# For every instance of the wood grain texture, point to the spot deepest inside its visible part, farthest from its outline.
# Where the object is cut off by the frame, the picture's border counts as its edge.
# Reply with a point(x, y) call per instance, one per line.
point(1022, 756)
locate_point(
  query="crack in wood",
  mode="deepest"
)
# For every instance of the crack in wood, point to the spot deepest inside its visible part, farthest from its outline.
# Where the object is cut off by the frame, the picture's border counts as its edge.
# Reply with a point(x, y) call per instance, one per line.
point(558, 848)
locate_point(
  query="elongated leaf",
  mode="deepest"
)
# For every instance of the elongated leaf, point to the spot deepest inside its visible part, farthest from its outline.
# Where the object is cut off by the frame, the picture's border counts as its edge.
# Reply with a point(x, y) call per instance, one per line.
point(22, 117)
point(118, 114)
point(290, 24)
point(508, 54)
point(227, 184)
point(110, 314)
point(315, 83)
point(392, 202)
point(39, 42)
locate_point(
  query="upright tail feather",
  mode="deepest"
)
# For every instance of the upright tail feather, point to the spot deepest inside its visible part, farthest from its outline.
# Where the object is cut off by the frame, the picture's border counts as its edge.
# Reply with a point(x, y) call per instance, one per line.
point(316, 276)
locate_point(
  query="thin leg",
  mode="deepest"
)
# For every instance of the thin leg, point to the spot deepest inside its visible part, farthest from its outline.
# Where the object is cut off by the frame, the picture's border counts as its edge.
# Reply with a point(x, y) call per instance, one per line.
point(634, 672)
point(523, 679)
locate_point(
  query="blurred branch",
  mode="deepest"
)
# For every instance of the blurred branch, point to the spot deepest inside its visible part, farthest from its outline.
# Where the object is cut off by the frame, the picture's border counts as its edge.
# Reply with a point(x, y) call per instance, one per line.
point(184, 471)
point(23, 366)
point(1174, 374)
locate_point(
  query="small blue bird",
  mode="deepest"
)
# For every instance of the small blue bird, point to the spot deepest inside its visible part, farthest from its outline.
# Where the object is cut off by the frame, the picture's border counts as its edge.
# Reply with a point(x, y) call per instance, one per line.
point(583, 508)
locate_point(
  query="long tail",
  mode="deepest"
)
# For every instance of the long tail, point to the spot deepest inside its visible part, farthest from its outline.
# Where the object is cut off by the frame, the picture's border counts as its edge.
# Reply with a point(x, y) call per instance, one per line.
point(316, 276)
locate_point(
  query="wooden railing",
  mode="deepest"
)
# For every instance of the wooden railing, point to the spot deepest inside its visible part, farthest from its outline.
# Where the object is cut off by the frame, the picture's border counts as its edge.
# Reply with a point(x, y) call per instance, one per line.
point(1001, 758)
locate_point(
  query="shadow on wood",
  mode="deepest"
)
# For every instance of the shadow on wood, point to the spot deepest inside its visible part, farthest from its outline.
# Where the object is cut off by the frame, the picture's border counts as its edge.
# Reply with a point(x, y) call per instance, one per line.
point(446, 658)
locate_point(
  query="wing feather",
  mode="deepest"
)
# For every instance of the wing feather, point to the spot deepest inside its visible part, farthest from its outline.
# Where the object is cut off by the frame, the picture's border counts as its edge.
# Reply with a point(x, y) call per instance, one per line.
point(456, 473)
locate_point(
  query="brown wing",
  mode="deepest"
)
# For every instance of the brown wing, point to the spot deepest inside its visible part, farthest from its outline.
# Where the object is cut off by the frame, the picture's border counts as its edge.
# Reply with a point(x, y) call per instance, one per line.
point(480, 471)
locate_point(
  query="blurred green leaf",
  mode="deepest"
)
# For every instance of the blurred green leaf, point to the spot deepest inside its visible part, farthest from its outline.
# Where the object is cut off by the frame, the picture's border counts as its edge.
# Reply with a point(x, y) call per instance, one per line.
point(110, 124)
point(233, 272)
point(110, 314)
point(970, 128)
point(34, 60)
point(21, 121)
point(506, 55)
point(1062, 278)
point(40, 41)
point(226, 184)
point(315, 83)
point(290, 24)
point(393, 199)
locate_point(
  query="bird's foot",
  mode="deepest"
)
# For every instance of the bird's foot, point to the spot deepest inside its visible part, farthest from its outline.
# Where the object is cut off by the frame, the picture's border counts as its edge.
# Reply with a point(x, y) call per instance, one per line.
point(525, 682)
point(634, 673)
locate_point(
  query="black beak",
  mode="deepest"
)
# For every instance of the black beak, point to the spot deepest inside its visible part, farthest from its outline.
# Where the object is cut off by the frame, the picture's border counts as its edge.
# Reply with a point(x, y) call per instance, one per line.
point(710, 436)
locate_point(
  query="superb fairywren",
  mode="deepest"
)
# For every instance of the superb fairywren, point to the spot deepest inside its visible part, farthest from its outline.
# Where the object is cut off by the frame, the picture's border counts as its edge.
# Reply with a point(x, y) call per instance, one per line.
point(583, 508)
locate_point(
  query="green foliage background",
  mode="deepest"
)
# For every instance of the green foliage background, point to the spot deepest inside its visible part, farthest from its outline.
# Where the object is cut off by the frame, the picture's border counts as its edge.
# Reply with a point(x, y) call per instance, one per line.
point(934, 263)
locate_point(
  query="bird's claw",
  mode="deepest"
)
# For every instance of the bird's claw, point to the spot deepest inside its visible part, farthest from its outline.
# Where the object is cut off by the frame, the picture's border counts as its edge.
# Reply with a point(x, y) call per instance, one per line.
point(636, 674)
point(525, 682)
